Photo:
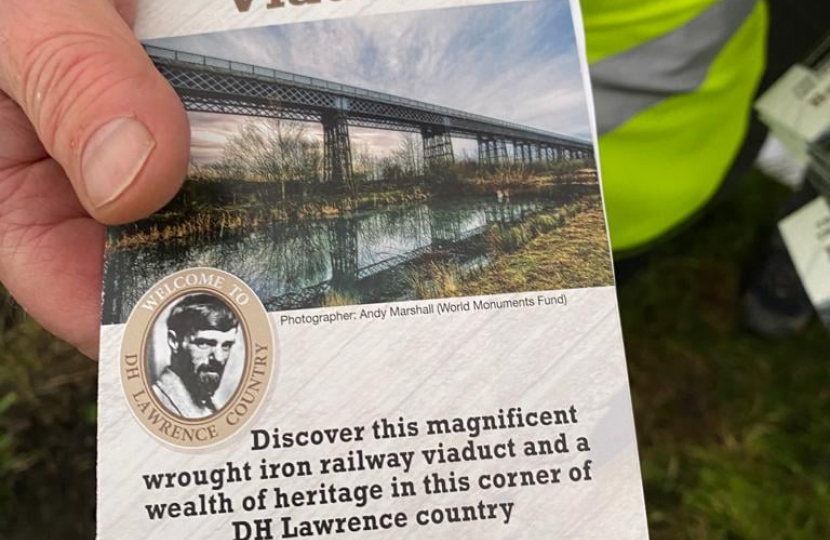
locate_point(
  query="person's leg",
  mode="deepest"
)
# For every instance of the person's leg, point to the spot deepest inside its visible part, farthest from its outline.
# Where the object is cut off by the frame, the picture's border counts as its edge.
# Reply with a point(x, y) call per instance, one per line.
point(775, 302)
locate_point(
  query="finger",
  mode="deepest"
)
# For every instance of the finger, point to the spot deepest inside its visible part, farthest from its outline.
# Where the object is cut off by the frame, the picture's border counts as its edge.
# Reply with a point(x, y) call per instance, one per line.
point(19, 143)
point(97, 103)
point(52, 267)
point(50, 249)
point(127, 9)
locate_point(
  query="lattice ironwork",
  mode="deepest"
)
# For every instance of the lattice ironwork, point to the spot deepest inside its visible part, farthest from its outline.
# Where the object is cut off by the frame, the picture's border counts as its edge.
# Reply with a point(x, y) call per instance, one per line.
point(216, 85)
point(209, 104)
point(437, 147)
point(381, 123)
point(523, 152)
point(344, 260)
point(483, 151)
point(500, 150)
point(544, 154)
point(337, 158)
point(518, 157)
point(492, 151)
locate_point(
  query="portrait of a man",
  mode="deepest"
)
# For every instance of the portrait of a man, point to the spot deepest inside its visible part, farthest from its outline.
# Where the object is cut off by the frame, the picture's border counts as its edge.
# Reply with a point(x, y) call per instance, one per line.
point(202, 332)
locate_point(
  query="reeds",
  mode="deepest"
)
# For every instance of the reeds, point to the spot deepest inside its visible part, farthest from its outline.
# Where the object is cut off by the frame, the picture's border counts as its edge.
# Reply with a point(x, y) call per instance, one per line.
point(208, 223)
point(514, 237)
point(340, 298)
point(433, 280)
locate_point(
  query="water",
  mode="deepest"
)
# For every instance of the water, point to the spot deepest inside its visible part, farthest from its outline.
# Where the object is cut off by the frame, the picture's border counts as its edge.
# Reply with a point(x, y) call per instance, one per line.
point(362, 256)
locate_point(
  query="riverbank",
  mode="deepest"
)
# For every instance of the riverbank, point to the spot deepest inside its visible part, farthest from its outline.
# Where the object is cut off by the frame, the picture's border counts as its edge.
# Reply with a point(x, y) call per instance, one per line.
point(205, 221)
point(563, 249)
point(571, 257)
point(207, 210)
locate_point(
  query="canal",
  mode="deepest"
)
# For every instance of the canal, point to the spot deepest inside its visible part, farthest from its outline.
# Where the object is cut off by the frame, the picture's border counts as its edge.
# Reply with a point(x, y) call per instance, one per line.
point(363, 256)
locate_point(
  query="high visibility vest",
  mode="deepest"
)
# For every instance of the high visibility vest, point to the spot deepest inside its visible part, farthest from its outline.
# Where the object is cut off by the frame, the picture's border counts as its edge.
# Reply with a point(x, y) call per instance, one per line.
point(673, 82)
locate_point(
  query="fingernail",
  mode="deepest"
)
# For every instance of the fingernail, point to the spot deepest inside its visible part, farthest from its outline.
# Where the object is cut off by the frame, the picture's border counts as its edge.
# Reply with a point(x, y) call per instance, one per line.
point(113, 157)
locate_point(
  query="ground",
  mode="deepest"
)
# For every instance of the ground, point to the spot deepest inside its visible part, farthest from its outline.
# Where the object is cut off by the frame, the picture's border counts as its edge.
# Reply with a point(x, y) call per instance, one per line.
point(733, 428)
point(573, 256)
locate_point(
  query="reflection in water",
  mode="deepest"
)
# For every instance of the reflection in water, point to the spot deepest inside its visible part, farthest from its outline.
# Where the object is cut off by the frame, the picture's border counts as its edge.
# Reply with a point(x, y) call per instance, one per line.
point(291, 265)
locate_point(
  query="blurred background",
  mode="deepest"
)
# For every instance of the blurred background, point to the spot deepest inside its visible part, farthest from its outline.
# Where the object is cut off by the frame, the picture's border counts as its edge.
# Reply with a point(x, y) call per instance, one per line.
point(733, 428)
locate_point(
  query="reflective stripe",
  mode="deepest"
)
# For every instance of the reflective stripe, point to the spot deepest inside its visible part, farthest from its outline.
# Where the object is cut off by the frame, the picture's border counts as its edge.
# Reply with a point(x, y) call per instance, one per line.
point(663, 165)
point(676, 63)
point(614, 26)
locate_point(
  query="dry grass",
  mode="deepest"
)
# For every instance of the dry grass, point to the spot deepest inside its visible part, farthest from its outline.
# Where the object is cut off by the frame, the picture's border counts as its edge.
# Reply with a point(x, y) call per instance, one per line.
point(573, 255)
point(434, 280)
point(340, 298)
point(563, 249)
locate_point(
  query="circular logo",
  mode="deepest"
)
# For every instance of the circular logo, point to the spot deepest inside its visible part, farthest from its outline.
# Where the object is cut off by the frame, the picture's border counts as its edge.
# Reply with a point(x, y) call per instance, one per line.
point(197, 357)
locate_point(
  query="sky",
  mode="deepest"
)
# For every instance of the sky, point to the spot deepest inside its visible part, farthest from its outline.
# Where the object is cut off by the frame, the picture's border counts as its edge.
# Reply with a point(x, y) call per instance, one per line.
point(511, 61)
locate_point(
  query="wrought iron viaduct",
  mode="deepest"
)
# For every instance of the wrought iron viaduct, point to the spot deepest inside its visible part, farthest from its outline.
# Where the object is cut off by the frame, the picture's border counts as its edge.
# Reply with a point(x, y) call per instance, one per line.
point(214, 85)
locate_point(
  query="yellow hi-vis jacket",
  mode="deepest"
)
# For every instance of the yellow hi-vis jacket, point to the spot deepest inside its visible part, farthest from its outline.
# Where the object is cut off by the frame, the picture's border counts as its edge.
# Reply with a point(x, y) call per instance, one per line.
point(673, 83)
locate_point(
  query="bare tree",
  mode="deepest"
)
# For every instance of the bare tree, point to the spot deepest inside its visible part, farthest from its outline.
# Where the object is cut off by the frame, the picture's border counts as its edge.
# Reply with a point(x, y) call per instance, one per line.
point(408, 155)
point(364, 163)
point(273, 150)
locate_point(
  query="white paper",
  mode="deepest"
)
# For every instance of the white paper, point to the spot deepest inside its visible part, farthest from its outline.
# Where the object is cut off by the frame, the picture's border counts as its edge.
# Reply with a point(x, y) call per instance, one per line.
point(513, 355)
point(807, 235)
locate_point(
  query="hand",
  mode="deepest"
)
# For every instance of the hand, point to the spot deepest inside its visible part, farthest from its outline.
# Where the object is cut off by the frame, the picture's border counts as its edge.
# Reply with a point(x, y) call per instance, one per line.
point(90, 134)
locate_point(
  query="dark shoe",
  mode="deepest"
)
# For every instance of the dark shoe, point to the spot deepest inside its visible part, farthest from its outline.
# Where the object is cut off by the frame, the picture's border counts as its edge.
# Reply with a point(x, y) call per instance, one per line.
point(775, 303)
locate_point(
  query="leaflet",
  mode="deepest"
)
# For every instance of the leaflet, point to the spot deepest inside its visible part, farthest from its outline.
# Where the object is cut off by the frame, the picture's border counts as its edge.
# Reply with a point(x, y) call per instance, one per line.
point(383, 304)
point(796, 108)
point(807, 235)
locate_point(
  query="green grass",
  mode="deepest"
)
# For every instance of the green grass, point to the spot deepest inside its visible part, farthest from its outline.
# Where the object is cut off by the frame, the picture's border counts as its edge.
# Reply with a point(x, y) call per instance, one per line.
point(734, 430)
point(565, 249)
point(548, 252)
point(47, 434)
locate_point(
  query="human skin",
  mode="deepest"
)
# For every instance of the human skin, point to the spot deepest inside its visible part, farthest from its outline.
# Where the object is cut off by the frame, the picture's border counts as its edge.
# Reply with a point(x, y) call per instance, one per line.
point(90, 135)
point(199, 359)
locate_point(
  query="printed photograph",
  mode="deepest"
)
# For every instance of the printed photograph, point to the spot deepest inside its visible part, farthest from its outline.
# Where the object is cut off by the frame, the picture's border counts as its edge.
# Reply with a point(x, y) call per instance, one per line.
point(419, 155)
point(195, 356)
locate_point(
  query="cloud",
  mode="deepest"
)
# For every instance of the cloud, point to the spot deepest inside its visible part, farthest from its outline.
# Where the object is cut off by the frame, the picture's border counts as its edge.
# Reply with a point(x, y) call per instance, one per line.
point(513, 61)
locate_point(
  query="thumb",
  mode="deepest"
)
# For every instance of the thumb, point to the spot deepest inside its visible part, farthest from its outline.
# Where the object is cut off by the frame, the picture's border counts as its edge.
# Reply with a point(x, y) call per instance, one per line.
point(97, 103)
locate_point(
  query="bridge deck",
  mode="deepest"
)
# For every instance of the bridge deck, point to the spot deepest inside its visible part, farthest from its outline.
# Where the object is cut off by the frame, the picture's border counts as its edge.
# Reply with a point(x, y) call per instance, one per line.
point(211, 84)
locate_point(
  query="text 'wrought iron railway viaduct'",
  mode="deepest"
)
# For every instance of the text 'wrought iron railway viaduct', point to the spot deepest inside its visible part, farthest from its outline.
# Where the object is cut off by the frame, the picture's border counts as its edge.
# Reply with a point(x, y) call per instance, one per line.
point(207, 84)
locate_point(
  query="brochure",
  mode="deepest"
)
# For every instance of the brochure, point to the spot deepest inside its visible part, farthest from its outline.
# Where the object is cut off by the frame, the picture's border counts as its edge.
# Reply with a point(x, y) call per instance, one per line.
point(383, 304)
point(807, 235)
point(797, 109)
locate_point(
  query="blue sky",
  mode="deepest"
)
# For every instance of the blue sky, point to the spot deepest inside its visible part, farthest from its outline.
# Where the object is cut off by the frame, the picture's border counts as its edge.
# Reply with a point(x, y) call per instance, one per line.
point(513, 61)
